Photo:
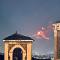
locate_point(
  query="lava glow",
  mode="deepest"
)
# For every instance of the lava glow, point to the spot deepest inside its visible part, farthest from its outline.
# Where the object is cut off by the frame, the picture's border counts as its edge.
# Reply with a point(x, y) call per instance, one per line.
point(42, 35)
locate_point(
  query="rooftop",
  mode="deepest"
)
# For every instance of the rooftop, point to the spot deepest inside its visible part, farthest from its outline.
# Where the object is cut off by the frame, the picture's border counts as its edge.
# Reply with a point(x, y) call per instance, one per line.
point(17, 36)
point(57, 21)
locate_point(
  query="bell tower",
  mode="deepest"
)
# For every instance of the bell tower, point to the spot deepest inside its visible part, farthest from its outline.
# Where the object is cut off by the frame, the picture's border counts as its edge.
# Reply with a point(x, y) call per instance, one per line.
point(56, 27)
point(17, 47)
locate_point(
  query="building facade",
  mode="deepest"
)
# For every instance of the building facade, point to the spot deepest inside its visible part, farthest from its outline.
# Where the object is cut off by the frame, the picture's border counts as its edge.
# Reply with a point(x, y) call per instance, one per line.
point(56, 27)
point(17, 47)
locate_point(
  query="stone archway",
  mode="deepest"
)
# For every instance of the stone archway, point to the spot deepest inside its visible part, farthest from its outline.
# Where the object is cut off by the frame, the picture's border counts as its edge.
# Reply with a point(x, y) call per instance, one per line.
point(17, 54)
point(12, 49)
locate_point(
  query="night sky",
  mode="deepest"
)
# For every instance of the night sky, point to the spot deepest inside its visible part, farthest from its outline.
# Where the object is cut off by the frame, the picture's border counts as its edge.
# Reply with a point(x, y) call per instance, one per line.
point(27, 17)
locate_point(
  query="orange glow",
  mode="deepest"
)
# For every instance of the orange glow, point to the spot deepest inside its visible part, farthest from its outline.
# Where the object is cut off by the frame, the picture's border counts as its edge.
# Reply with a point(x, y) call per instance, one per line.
point(40, 33)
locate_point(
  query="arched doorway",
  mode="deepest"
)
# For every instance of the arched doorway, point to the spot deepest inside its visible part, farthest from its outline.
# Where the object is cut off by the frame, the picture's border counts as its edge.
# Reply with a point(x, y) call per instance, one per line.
point(17, 54)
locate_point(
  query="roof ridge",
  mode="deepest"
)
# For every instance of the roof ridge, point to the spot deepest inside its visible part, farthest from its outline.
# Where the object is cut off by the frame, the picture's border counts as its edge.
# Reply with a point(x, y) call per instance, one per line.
point(17, 36)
